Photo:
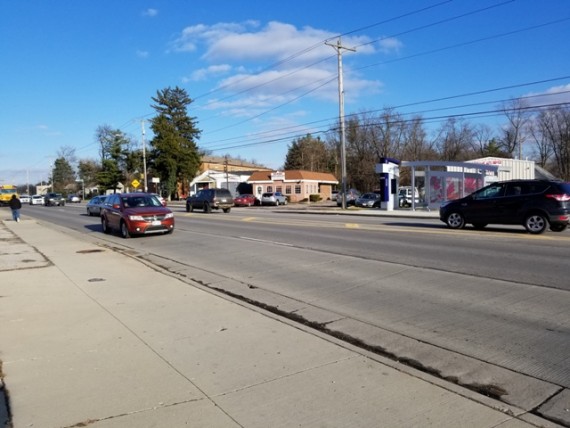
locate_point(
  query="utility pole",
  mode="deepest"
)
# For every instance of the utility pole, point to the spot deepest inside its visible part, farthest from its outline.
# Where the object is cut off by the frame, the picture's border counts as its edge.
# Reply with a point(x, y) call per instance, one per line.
point(144, 156)
point(338, 47)
point(227, 172)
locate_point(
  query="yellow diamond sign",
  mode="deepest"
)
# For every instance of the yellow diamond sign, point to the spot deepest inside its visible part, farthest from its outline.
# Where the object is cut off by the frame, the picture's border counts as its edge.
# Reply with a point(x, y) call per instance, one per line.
point(135, 183)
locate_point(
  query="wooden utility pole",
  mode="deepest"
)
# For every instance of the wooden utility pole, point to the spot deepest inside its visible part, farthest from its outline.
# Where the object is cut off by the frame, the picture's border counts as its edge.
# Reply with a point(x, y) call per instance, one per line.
point(338, 47)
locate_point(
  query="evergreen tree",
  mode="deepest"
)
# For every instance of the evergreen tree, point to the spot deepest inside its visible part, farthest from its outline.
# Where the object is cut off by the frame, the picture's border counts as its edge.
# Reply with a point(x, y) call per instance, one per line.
point(174, 155)
point(88, 170)
point(62, 175)
point(115, 147)
point(309, 154)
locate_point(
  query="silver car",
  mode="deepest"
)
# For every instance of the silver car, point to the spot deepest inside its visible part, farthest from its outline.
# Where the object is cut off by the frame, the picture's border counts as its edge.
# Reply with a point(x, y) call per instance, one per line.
point(95, 204)
point(273, 198)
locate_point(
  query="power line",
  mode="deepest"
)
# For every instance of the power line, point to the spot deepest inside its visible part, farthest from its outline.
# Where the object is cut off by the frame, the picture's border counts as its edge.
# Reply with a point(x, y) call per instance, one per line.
point(440, 49)
point(467, 94)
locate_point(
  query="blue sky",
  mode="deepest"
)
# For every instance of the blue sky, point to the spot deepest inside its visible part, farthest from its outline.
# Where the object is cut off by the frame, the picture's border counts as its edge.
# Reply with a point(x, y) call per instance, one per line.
point(260, 73)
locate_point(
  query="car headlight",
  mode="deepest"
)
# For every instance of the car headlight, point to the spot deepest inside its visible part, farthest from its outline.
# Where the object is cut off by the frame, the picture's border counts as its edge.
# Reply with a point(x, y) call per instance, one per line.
point(136, 218)
point(169, 215)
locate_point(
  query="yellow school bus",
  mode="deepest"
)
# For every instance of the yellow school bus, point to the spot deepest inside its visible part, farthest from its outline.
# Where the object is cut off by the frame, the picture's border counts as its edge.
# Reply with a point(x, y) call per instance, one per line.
point(6, 192)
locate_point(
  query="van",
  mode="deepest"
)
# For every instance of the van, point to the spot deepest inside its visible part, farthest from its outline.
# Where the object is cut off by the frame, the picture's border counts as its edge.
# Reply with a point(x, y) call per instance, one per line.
point(405, 196)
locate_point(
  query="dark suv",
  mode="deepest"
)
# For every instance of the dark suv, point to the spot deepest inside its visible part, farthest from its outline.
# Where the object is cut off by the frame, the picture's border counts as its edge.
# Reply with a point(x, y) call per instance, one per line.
point(534, 204)
point(54, 199)
point(210, 199)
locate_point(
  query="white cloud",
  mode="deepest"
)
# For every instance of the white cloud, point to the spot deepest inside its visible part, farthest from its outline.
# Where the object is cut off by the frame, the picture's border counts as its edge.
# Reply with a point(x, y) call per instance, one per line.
point(390, 44)
point(273, 65)
point(248, 42)
point(142, 54)
point(150, 13)
point(554, 95)
point(205, 73)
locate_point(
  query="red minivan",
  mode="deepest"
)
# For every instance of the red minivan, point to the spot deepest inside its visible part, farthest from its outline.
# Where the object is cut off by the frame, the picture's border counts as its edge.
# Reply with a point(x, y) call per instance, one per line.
point(136, 214)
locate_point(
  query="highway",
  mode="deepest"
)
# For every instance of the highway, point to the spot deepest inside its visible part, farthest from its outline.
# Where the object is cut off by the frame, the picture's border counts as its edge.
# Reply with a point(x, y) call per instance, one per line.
point(489, 309)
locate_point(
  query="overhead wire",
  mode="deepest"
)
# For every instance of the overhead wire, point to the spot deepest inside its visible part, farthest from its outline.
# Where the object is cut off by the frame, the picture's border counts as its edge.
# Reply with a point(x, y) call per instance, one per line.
point(292, 133)
point(415, 55)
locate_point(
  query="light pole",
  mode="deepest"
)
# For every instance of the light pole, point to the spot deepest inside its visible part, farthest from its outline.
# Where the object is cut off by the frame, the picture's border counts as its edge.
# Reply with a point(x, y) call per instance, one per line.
point(144, 156)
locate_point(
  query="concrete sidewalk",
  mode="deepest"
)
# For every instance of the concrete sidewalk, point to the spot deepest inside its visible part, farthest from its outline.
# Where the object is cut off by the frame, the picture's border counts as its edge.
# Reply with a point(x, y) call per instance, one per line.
point(92, 337)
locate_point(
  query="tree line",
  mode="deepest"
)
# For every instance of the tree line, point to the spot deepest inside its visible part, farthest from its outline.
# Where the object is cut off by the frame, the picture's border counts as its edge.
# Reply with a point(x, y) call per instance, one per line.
point(174, 157)
point(543, 135)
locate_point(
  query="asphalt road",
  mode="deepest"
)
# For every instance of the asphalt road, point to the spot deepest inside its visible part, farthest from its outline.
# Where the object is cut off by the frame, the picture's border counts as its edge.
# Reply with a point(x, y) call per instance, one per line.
point(489, 310)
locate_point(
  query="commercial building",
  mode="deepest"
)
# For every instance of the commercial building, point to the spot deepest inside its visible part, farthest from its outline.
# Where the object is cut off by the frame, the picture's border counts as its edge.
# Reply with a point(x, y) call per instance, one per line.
point(297, 185)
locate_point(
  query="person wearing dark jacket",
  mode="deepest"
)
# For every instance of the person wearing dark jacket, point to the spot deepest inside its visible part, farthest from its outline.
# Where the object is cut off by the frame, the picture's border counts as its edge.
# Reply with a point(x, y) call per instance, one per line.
point(15, 206)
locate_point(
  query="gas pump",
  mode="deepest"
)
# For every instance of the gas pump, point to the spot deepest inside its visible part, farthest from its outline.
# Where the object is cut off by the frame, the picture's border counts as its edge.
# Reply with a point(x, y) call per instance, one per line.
point(389, 170)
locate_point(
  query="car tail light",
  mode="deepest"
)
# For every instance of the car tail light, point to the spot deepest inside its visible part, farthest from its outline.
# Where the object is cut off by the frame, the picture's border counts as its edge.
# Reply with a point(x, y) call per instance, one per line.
point(559, 197)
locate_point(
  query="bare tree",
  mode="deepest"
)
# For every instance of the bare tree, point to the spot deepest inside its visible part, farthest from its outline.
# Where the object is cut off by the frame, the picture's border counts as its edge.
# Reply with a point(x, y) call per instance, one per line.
point(415, 143)
point(67, 153)
point(542, 147)
point(554, 126)
point(518, 116)
point(387, 134)
point(455, 140)
point(482, 135)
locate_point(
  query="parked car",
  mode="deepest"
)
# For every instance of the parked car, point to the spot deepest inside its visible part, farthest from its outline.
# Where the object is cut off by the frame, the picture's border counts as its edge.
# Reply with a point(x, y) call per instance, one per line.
point(95, 205)
point(334, 195)
point(210, 199)
point(273, 198)
point(246, 200)
point(351, 196)
point(405, 196)
point(136, 214)
point(368, 200)
point(36, 200)
point(73, 198)
point(534, 204)
point(25, 199)
point(54, 199)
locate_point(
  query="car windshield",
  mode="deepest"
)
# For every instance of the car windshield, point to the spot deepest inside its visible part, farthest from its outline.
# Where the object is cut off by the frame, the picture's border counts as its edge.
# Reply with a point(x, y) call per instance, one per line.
point(141, 201)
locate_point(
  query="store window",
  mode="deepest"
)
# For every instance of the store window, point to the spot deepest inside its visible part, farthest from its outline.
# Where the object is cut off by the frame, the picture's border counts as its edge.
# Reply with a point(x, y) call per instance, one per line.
point(269, 189)
point(287, 190)
point(297, 189)
point(279, 189)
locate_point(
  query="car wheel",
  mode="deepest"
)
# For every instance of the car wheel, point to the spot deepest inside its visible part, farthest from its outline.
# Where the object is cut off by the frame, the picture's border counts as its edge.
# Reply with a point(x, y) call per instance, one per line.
point(455, 220)
point(535, 223)
point(104, 225)
point(558, 227)
point(207, 208)
point(125, 230)
point(188, 209)
point(89, 213)
point(479, 225)
point(227, 210)
point(276, 203)
point(285, 202)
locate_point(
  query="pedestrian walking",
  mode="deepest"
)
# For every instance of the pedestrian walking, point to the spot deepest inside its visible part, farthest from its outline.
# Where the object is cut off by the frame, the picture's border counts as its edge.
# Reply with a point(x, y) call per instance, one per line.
point(15, 206)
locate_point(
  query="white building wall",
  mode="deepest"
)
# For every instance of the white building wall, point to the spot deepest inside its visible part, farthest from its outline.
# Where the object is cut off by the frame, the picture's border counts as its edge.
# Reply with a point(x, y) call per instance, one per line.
point(510, 169)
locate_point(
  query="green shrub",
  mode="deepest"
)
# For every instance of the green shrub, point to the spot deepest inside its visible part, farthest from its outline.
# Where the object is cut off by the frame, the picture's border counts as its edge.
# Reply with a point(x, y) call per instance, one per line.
point(315, 198)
